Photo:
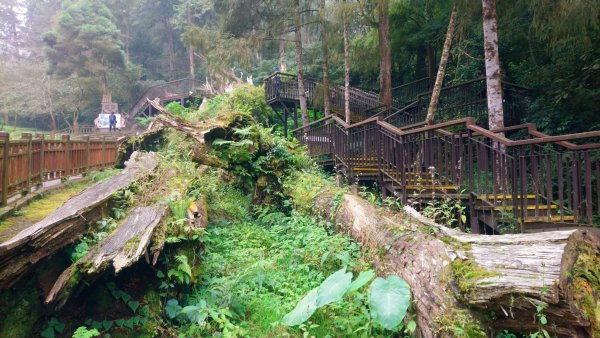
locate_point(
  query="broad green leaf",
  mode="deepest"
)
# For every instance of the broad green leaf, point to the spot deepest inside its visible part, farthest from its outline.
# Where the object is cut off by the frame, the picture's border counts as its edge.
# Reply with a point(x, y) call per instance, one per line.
point(361, 280)
point(133, 305)
point(305, 308)
point(389, 299)
point(172, 308)
point(334, 287)
point(119, 322)
point(107, 324)
point(48, 332)
point(128, 323)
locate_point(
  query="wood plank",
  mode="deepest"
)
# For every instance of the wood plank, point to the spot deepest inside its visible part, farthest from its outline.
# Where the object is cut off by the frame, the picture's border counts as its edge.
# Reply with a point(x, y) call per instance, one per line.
point(68, 223)
point(116, 252)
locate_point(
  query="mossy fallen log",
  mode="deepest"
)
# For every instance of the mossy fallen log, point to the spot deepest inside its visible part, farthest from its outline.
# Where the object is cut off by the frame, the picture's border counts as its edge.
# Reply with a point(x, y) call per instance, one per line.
point(476, 285)
point(68, 223)
point(121, 249)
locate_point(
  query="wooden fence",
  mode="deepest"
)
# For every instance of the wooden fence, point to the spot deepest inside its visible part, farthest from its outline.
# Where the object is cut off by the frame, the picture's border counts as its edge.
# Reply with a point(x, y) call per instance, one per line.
point(32, 160)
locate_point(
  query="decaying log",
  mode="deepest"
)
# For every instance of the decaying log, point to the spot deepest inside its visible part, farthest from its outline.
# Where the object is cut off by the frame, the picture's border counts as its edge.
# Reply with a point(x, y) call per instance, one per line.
point(118, 251)
point(494, 282)
point(198, 213)
point(68, 223)
point(205, 131)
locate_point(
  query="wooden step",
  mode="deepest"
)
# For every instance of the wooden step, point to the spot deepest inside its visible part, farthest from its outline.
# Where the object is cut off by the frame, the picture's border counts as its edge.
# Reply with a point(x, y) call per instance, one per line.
point(498, 196)
point(511, 208)
point(554, 219)
point(445, 187)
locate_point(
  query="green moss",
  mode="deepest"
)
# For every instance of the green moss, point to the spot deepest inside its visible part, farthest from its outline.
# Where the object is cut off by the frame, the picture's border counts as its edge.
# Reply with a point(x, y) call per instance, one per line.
point(132, 243)
point(40, 208)
point(466, 273)
point(585, 284)
point(20, 310)
point(459, 323)
point(303, 187)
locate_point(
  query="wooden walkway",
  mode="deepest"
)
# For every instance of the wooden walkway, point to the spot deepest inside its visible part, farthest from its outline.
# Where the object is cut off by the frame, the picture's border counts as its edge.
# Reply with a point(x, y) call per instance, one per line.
point(514, 178)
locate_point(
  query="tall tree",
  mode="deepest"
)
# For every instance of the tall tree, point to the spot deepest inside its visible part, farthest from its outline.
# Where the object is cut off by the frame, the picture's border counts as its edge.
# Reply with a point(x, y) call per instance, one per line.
point(492, 65)
point(435, 95)
point(385, 63)
point(324, 42)
point(346, 73)
point(376, 13)
point(187, 14)
point(299, 62)
point(85, 42)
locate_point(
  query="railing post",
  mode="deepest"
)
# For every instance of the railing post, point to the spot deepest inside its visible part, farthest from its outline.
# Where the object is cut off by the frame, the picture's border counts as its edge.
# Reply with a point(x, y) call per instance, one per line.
point(67, 165)
point(103, 164)
point(5, 165)
point(87, 153)
point(42, 156)
point(28, 137)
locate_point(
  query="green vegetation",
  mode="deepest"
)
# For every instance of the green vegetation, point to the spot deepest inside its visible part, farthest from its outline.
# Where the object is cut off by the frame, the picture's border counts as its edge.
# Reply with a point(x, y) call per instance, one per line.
point(585, 283)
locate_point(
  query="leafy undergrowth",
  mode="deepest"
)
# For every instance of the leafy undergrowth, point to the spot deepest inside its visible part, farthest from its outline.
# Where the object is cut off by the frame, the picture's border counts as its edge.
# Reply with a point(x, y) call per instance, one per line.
point(254, 272)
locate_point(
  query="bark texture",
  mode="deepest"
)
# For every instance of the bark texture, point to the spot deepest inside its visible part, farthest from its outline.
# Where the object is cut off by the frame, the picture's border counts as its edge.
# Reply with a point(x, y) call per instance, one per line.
point(282, 63)
point(385, 63)
point(492, 65)
point(457, 277)
point(118, 251)
point(299, 64)
point(68, 223)
point(346, 75)
point(326, 85)
point(439, 79)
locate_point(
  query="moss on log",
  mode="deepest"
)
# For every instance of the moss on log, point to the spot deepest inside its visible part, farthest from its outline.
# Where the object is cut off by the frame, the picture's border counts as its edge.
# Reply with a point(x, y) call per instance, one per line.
point(68, 223)
point(116, 252)
point(481, 284)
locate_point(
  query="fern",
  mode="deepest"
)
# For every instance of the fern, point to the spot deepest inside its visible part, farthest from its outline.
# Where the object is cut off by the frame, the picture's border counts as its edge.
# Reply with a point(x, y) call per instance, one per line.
point(84, 332)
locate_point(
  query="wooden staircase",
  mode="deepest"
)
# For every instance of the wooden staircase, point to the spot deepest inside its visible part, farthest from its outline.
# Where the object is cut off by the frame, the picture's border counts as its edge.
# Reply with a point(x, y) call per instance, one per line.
point(539, 183)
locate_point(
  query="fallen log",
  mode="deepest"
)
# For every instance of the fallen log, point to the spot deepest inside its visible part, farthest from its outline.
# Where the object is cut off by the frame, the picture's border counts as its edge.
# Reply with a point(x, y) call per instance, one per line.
point(68, 223)
point(205, 131)
point(480, 284)
point(120, 250)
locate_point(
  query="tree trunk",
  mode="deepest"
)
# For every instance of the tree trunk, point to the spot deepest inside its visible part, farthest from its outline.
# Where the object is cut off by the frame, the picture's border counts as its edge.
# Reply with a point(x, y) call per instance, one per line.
point(191, 49)
point(492, 66)
point(326, 94)
point(346, 75)
point(455, 277)
point(430, 61)
point(68, 223)
point(435, 95)
point(171, 46)
point(282, 63)
point(116, 252)
point(298, 40)
point(385, 63)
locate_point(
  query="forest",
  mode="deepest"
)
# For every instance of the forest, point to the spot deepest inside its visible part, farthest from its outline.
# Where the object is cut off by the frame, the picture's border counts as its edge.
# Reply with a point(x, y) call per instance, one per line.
point(300, 168)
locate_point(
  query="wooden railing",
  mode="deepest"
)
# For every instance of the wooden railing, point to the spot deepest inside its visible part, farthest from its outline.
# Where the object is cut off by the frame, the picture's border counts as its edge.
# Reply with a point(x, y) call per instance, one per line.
point(30, 161)
point(284, 87)
point(173, 90)
point(81, 129)
point(469, 99)
point(408, 92)
point(543, 179)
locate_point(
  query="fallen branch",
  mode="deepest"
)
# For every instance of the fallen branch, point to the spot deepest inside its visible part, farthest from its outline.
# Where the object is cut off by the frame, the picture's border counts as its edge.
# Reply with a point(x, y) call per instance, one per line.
point(68, 223)
point(115, 253)
point(456, 277)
